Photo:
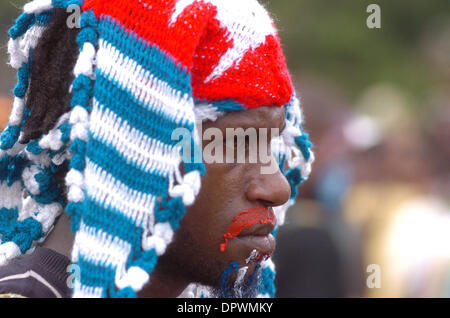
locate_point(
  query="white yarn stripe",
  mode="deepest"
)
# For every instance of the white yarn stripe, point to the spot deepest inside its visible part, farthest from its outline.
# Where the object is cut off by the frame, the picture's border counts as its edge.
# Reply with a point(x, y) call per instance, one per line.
point(135, 277)
point(248, 27)
point(85, 61)
point(16, 149)
point(31, 39)
point(268, 264)
point(206, 112)
point(104, 188)
point(280, 211)
point(143, 84)
point(101, 248)
point(162, 237)
point(81, 291)
point(52, 140)
point(38, 6)
point(19, 48)
point(16, 56)
point(29, 181)
point(17, 111)
point(79, 120)
point(43, 213)
point(11, 196)
point(8, 250)
point(188, 188)
point(138, 148)
point(42, 159)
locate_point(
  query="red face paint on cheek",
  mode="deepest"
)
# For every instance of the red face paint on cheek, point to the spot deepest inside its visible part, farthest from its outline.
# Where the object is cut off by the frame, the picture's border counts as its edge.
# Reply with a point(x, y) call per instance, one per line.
point(245, 220)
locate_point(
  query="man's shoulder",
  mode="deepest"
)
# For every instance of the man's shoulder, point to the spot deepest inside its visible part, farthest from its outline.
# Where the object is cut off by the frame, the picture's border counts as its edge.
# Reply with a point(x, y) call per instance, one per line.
point(41, 274)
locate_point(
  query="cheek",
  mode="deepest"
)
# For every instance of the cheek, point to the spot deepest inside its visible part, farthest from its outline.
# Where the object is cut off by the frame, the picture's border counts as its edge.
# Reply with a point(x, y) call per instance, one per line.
point(204, 219)
point(220, 199)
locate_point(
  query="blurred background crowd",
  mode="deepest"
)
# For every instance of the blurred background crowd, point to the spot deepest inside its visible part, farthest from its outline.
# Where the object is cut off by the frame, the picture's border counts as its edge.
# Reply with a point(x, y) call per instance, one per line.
point(374, 218)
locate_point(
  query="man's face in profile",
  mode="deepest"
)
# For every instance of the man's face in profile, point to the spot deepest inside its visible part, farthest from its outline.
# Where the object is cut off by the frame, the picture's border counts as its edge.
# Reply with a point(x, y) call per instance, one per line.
point(235, 202)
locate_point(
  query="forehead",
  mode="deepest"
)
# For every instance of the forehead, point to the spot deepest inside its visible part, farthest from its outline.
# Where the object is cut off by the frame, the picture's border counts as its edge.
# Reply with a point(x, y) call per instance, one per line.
point(261, 117)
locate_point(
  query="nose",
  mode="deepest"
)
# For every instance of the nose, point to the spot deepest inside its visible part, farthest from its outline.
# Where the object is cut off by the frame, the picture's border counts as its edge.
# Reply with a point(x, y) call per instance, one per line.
point(268, 189)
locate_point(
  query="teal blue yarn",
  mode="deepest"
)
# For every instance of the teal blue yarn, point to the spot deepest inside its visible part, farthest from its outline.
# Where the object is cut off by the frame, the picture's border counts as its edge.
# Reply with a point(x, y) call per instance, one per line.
point(63, 4)
point(148, 55)
point(34, 148)
point(82, 88)
point(267, 285)
point(275, 231)
point(78, 149)
point(126, 292)
point(88, 19)
point(147, 260)
point(172, 212)
point(48, 189)
point(65, 132)
point(44, 18)
point(225, 105)
point(87, 35)
point(7, 218)
point(131, 174)
point(281, 162)
point(21, 233)
point(72, 209)
point(112, 221)
point(294, 178)
point(27, 231)
point(5, 161)
point(95, 274)
point(9, 137)
point(118, 99)
point(304, 144)
point(15, 167)
point(23, 23)
point(89, 27)
point(224, 287)
point(23, 75)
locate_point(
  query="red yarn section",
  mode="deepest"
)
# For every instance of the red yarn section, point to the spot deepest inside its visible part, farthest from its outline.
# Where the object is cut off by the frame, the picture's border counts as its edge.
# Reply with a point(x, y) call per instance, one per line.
point(197, 41)
point(151, 22)
point(260, 79)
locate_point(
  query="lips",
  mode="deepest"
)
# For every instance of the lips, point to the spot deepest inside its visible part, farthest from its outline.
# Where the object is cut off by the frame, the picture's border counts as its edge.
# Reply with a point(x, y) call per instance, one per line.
point(252, 228)
point(259, 229)
point(265, 245)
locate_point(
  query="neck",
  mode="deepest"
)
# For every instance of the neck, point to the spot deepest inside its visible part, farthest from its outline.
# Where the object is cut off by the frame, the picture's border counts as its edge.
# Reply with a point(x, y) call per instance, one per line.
point(61, 238)
point(163, 285)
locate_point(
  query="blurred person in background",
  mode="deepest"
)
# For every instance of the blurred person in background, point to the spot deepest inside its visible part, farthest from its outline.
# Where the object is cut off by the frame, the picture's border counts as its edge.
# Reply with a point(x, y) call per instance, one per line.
point(321, 253)
point(405, 224)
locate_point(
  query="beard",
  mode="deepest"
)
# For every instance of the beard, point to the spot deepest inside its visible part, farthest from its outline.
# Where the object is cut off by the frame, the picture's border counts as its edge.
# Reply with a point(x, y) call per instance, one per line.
point(236, 283)
point(188, 261)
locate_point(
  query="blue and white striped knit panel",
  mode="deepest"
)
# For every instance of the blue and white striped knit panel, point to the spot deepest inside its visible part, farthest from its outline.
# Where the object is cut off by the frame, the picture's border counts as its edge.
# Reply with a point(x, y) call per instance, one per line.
point(131, 160)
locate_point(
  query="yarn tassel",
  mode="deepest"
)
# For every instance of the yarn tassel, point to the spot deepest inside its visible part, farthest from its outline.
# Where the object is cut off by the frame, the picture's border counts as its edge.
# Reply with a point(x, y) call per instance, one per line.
point(79, 119)
point(17, 229)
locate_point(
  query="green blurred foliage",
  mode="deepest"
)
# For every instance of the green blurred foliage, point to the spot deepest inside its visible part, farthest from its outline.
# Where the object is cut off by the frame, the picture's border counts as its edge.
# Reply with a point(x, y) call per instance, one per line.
point(330, 39)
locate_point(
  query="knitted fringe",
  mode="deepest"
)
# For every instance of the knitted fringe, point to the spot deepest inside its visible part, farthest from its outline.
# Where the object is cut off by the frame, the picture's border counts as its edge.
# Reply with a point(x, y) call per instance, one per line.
point(29, 168)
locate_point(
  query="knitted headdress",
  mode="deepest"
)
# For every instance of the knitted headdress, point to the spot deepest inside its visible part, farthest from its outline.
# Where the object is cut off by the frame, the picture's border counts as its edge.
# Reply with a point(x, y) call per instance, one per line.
point(145, 68)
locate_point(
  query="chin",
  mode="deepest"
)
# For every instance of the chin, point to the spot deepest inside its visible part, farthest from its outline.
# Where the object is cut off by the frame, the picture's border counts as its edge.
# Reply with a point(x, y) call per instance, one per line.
point(238, 281)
